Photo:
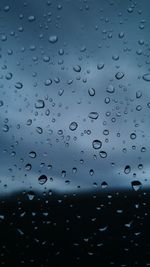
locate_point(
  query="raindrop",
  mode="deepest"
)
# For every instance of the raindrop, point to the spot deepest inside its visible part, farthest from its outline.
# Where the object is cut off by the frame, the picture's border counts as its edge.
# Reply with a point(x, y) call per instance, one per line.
point(110, 89)
point(136, 185)
point(28, 167)
point(127, 169)
point(104, 185)
point(39, 130)
point(91, 91)
point(53, 39)
point(5, 128)
point(119, 75)
point(97, 144)
point(39, 104)
point(100, 66)
point(103, 154)
point(93, 115)
point(146, 77)
point(31, 18)
point(42, 179)
point(32, 154)
point(77, 68)
point(132, 136)
point(73, 126)
point(19, 85)
point(1, 103)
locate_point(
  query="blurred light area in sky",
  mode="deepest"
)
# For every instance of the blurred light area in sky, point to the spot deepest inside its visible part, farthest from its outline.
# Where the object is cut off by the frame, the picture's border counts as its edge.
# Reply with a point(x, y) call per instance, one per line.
point(74, 95)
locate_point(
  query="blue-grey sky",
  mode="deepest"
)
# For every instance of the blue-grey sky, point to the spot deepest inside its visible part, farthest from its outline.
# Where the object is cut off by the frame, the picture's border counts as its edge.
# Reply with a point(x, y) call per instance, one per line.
point(53, 54)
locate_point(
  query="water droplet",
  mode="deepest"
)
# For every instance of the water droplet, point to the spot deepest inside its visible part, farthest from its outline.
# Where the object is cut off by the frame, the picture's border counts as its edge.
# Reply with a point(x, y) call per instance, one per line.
point(77, 68)
point(73, 126)
point(48, 82)
point(1, 103)
point(103, 228)
point(100, 66)
point(60, 92)
point(28, 167)
point(104, 185)
point(39, 104)
point(132, 136)
point(146, 77)
point(31, 195)
point(97, 144)
point(103, 154)
point(110, 89)
point(19, 85)
point(121, 35)
point(119, 75)
point(148, 104)
point(32, 154)
point(138, 94)
point(39, 130)
point(31, 18)
point(42, 179)
point(5, 128)
point(46, 58)
point(127, 169)
point(53, 39)
point(93, 115)
point(136, 185)
point(91, 172)
point(63, 173)
point(91, 91)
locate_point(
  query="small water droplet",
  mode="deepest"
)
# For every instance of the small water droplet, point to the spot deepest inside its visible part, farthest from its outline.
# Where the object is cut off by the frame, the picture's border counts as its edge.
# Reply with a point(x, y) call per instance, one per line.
point(146, 77)
point(53, 39)
point(133, 136)
point(104, 185)
point(91, 91)
point(39, 104)
point(136, 185)
point(127, 169)
point(97, 144)
point(100, 66)
point(77, 68)
point(1, 103)
point(19, 85)
point(32, 154)
point(110, 89)
point(42, 179)
point(119, 75)
point(39, 130)
point(103, 154)
point(93, 115)
point(73, 126)
point(31, 18)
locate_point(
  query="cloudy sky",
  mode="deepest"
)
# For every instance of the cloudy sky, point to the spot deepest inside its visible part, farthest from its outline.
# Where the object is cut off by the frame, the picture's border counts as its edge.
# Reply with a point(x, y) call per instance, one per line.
point(74, 72)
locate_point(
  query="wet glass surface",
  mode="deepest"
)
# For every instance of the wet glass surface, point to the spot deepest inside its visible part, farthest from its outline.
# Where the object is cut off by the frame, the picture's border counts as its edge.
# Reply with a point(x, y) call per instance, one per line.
point(74, 132)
